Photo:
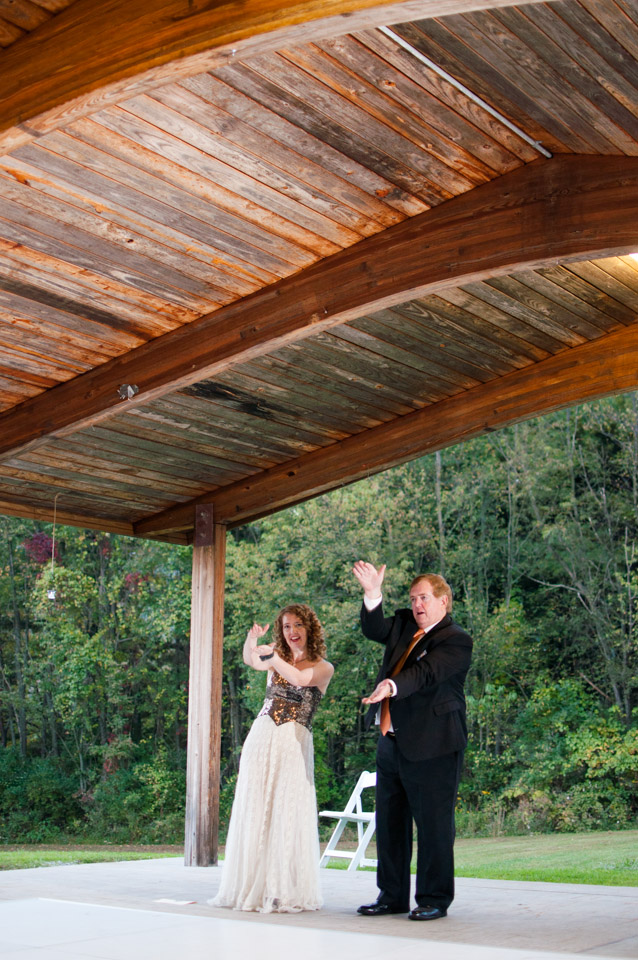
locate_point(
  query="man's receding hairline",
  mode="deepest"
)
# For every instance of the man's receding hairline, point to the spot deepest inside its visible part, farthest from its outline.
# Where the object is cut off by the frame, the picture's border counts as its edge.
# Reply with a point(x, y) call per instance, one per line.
point(424, 579)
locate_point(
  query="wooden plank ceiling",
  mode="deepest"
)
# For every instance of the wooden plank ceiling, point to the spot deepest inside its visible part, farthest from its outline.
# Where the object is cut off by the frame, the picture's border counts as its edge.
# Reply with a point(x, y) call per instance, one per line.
point(313, 261)
point(20, 17)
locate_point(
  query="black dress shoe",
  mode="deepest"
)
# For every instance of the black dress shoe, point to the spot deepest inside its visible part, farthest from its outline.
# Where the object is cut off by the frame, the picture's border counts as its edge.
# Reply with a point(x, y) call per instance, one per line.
point(427, 913)
point(378, 909)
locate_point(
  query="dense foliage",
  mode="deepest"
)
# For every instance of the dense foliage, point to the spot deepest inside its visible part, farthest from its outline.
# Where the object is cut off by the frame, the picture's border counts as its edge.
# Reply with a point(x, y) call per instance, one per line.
point(536, 529)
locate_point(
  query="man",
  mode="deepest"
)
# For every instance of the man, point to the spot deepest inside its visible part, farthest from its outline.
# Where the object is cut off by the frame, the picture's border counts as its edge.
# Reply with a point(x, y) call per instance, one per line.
point(420, 706)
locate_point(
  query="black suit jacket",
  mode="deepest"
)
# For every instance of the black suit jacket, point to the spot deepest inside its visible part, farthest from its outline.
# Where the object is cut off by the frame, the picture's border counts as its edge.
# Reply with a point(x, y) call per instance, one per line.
point(428, 712)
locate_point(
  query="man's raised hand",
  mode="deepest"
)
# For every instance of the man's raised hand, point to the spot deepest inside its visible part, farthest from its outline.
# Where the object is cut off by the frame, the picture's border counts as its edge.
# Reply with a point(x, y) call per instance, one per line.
point(369, 577)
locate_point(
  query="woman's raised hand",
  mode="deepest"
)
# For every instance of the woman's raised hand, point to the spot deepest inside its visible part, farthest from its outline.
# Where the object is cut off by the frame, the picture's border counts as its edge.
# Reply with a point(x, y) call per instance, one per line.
point(369, 577)
point(257, 631)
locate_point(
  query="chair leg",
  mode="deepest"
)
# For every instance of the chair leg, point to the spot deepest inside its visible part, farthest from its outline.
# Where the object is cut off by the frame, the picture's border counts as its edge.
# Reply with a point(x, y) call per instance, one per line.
point(362, 846)
point(333, 841)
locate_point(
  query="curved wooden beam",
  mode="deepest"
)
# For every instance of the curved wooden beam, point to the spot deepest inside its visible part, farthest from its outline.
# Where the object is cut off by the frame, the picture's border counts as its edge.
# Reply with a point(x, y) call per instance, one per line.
point(95, 54)
point(539, 215)
point(605, 366)
point(600, 368)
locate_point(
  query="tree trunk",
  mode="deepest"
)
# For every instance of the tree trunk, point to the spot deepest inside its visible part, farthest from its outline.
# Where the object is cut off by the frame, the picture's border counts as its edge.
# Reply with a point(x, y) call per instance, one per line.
point(439, 511)
point(19, 655)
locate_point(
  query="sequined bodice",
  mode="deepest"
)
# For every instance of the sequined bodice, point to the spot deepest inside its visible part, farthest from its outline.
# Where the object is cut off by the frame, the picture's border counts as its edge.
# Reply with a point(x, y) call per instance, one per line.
point(285, 702)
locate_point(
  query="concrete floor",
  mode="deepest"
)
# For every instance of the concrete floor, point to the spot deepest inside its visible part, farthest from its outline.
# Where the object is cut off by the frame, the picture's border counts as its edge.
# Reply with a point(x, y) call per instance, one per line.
point(157, 909)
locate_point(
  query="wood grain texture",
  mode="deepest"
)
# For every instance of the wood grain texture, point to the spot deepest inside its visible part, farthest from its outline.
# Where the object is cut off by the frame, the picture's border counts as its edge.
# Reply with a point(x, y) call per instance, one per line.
point(569, 208)
point(284, 406)
point(17, 508)
point(160, 40)
point(23, 14)
point(606, 366)
point(204, 700)
point(246, 239)
point(357, 186)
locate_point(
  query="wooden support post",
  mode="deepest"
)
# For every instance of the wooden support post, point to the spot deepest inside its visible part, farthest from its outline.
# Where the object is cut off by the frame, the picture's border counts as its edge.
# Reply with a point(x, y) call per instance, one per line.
point(205, 690)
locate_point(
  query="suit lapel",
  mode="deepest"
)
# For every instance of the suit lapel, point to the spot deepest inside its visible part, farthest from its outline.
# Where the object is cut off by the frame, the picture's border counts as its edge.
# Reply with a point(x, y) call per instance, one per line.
point(435, 636)
point(403, 643)
point(431, 639)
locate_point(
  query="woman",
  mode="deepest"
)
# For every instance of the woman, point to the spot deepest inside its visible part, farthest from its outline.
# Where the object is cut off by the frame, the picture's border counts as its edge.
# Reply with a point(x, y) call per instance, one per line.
point(272, 850)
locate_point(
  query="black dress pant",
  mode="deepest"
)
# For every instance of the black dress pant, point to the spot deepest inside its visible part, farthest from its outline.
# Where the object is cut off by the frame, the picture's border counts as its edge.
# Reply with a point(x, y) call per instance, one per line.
point(424, 791)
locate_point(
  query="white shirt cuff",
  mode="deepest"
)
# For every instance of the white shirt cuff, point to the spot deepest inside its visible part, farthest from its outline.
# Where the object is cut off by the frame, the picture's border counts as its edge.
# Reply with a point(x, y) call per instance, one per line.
point(372, 604)
point(393, 685)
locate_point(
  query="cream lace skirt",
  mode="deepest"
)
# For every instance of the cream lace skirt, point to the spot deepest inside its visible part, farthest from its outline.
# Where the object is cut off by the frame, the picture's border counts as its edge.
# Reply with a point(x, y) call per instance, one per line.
point(272, 850)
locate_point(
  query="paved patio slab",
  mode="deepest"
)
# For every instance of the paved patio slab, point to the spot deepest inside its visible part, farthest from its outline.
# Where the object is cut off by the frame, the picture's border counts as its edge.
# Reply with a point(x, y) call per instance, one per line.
point(157, 908)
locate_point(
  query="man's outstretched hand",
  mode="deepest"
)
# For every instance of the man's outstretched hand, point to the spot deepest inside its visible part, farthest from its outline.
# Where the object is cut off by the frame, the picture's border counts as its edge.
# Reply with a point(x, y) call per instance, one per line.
point(380, 692)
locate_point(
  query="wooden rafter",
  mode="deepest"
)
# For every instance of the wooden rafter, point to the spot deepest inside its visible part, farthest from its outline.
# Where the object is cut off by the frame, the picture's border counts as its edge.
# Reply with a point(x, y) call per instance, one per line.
point(163, 40)
point(546, 212)
point(45, 514)
point(605, 366)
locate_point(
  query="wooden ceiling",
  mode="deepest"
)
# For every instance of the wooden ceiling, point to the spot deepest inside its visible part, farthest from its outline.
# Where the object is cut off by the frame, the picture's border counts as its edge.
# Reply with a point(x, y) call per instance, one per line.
point(244, 263)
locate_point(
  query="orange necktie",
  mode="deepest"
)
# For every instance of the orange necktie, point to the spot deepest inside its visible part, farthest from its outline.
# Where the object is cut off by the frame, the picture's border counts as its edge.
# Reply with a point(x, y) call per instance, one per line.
point(384, 722)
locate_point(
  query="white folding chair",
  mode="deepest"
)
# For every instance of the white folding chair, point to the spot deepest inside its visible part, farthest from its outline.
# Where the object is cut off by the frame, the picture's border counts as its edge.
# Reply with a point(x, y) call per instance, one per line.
point(354, 813)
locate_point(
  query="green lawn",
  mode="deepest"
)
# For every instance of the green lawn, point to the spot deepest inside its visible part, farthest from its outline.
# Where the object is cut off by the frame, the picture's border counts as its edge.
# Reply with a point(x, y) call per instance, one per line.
point(35, 855)
point(603, 858)
point(610, 858)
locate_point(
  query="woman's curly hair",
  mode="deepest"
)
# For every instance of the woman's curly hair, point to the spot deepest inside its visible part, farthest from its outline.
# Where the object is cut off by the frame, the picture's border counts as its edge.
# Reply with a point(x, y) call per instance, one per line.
point(316, 646)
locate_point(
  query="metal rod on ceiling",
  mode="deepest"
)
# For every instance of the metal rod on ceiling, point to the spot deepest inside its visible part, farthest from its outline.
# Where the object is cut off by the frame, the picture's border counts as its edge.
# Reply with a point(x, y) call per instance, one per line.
point(465, 90)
